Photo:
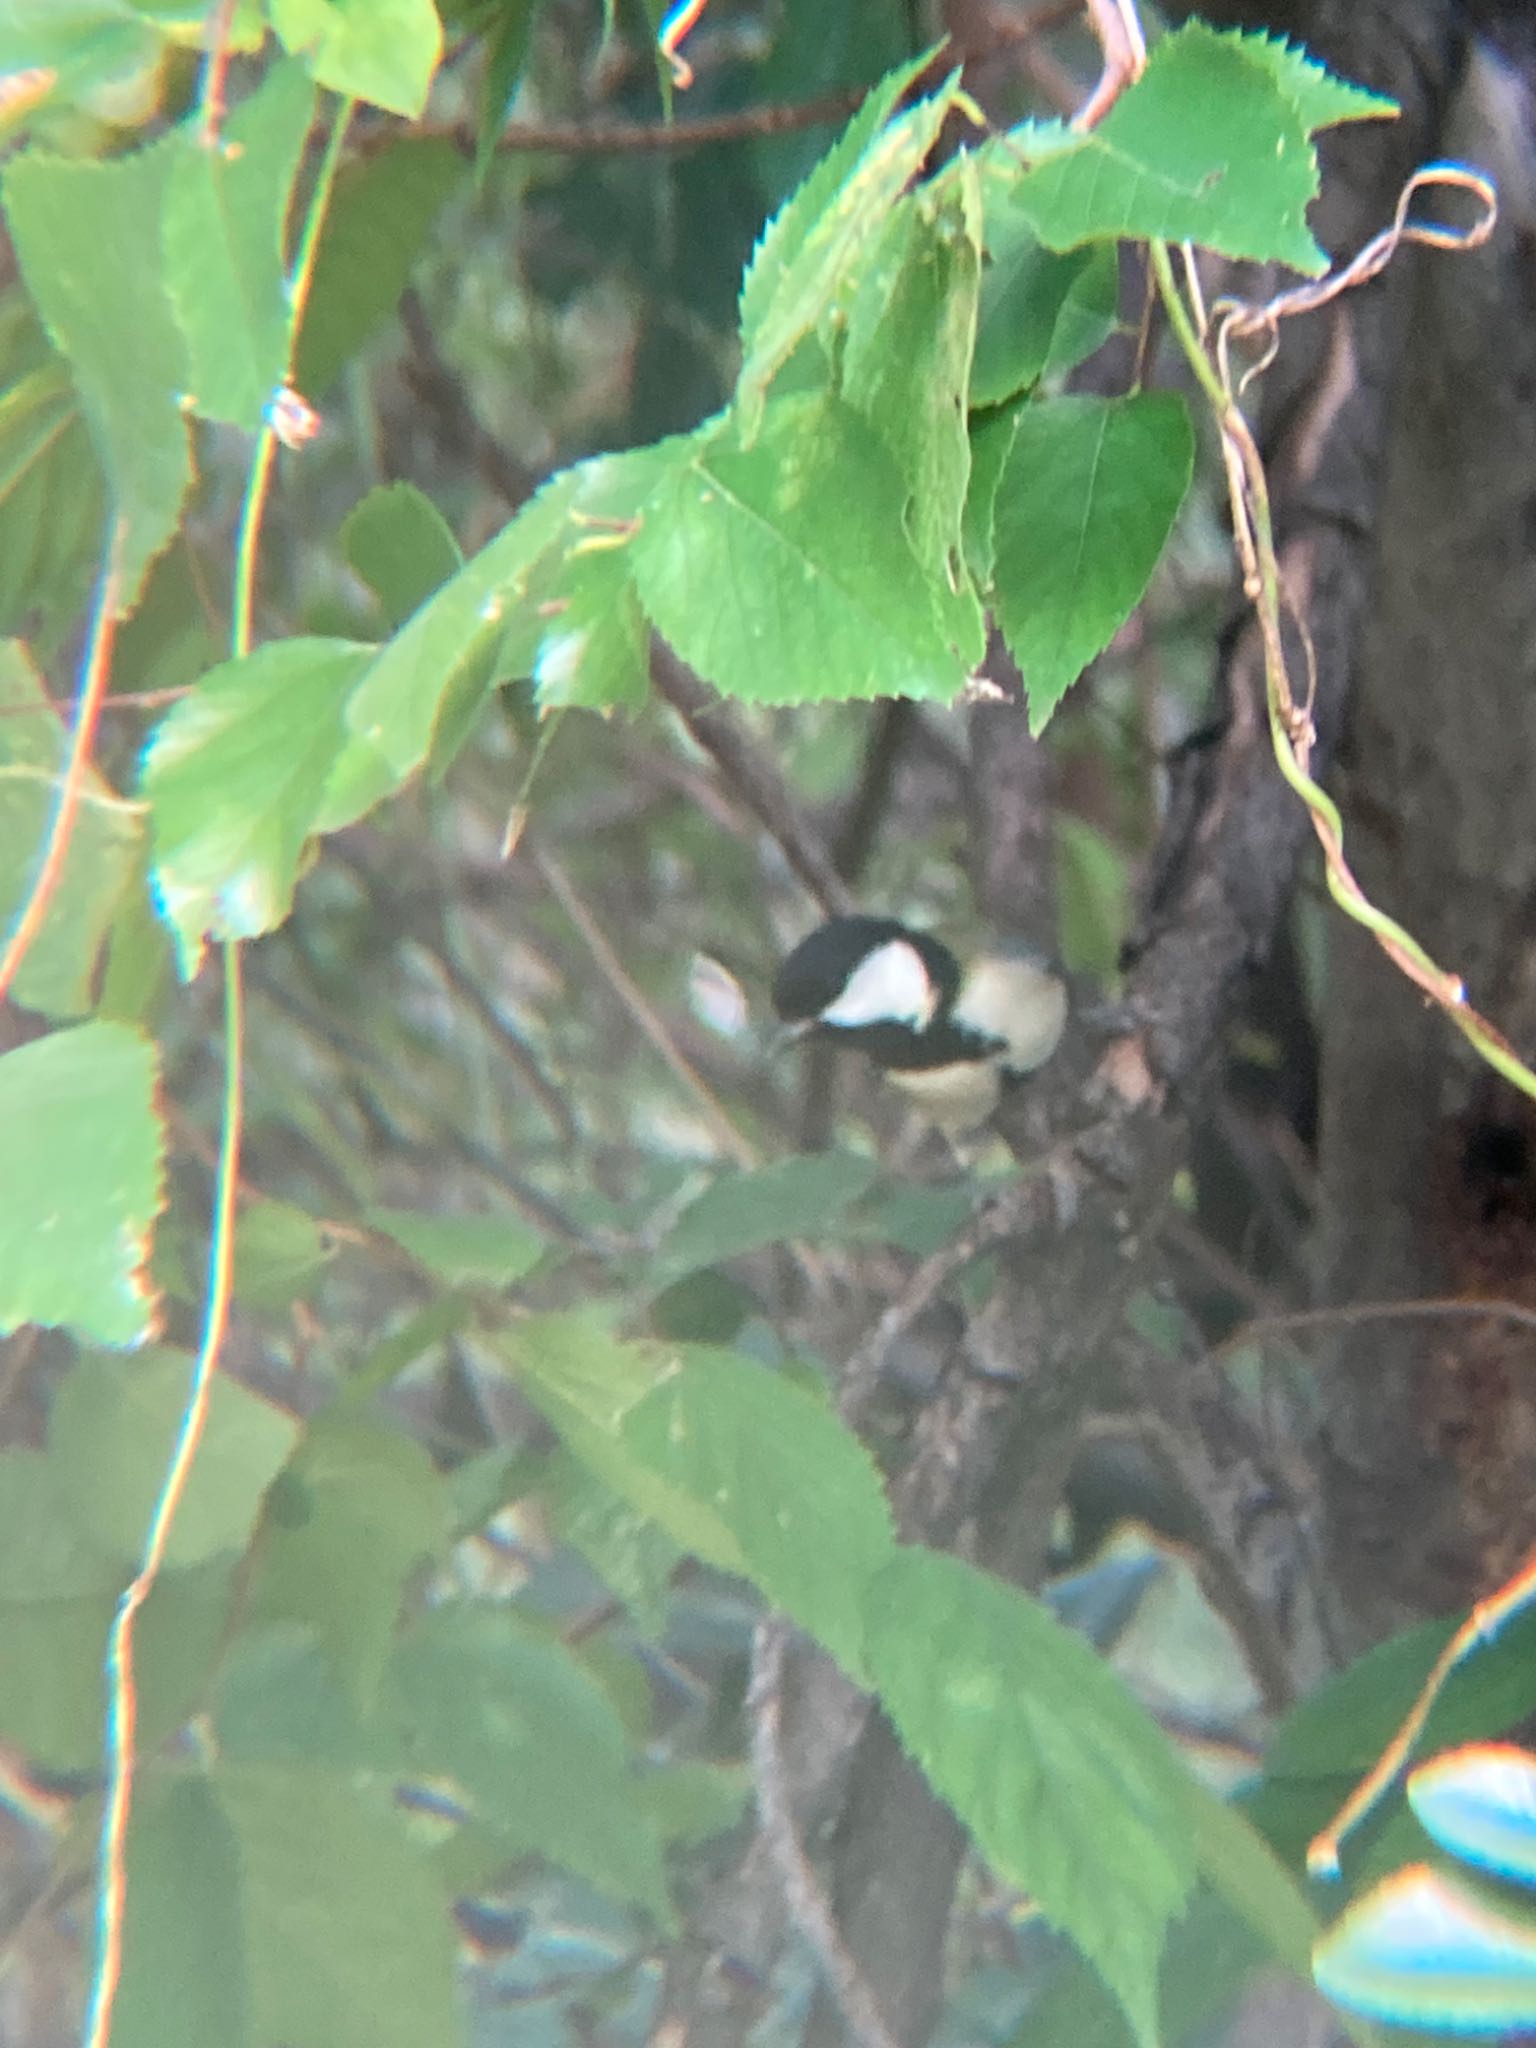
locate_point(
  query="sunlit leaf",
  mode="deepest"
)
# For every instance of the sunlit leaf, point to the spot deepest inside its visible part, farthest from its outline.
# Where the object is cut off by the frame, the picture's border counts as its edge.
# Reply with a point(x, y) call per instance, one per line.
point(383, 51)
point(80, 1182)
point(88, 238)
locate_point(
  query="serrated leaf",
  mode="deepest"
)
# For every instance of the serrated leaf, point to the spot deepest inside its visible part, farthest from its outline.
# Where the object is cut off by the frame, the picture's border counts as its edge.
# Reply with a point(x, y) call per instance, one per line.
point(87, 236)
point(466, 1251)
point(401, 546)
point(1070, 1790)
point(506, 53)
point(740, 1466)
point(906, 364)
point(110, 1438)
point(347, 1939)
point(1239, 179)
point(743, 1211)
point(1319, 97)
point(782, 573)
point(1041, 310)
point(383, 51)
point(80, 1182)
point(226, 211)
point(1088, 496)
point(808, 251)
point(375, 228)
point(531, 1739)
point(354, 1511)
point(235, 776)
point(57, 973)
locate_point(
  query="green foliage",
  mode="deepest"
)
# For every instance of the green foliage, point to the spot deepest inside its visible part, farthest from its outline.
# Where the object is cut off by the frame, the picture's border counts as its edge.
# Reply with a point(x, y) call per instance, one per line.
point(80, 1182)
point(461, 1589)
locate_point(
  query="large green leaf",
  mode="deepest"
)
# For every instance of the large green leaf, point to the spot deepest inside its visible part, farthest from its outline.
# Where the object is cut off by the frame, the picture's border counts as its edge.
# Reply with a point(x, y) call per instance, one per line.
point(235, 776)
point(80, 1182)
point(1071, 1791)
point(911, 329)
point(1088, 496)
point(531, 1739)
point(1319, 97)
point(800, 1197)
point(803, 261)
point(384, 51)
point(110, 1437)
point(88, 237)
point(1206, 147)
point(57, 974)
point(1041, 311)
point(355, 1510)
point(782, 572)
point(184, 1978)
point(747, 1470)
point(225, 214)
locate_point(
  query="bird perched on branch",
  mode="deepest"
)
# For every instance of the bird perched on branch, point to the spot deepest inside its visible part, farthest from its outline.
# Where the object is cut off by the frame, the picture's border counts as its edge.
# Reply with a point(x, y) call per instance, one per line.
point(947, 1036)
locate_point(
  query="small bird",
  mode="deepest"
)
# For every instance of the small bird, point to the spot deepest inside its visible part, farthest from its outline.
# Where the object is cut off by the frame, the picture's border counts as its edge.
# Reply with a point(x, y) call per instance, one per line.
point(947, 1037)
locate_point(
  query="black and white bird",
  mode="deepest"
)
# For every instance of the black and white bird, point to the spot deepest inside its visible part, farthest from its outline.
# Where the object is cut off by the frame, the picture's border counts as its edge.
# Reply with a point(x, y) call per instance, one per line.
point(947, 1037)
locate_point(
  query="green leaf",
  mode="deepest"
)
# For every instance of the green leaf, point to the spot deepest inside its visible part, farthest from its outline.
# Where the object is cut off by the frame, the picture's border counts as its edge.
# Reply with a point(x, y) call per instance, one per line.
point(1238, 179)
point(235, 776)
point(466, 1251)
point(801, 1197)
point(782, 573)
point(1088, 496)
point(225, 214)
point(57, 975)
point(1241, 1868)
point(347, 1939)
point(80, 1182)
point(90, 44)
point(383, 51)
point(279, 1252)
point(740, 1466)
point(376, 227)
point(1319, 97)
point(87, 236)
point(110, 1439)
point(1070, 1790)
point(911, 330)
point(1040, 311)
point(401, 546)
point(534, 1743)
point(351, 1515)
point(52, 508)
point(183, 1975)
point(812, 246)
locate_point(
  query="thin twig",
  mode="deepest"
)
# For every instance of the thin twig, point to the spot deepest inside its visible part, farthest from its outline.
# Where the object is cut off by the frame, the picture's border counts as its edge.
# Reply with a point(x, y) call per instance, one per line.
point(809, 1906)
point(635, 1001)
point(217, 31)
point(1452, 1308)
point(752, 774)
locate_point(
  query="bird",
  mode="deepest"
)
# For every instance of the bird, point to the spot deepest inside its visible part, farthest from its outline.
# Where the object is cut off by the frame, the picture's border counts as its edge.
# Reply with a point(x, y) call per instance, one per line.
point(946, 1036)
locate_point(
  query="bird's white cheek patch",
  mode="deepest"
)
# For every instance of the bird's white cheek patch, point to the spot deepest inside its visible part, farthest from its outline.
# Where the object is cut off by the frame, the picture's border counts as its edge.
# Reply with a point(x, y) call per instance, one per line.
point(889, 986)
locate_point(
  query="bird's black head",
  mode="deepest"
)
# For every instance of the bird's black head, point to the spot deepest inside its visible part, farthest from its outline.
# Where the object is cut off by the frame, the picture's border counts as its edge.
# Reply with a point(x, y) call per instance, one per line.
point(870, 982)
